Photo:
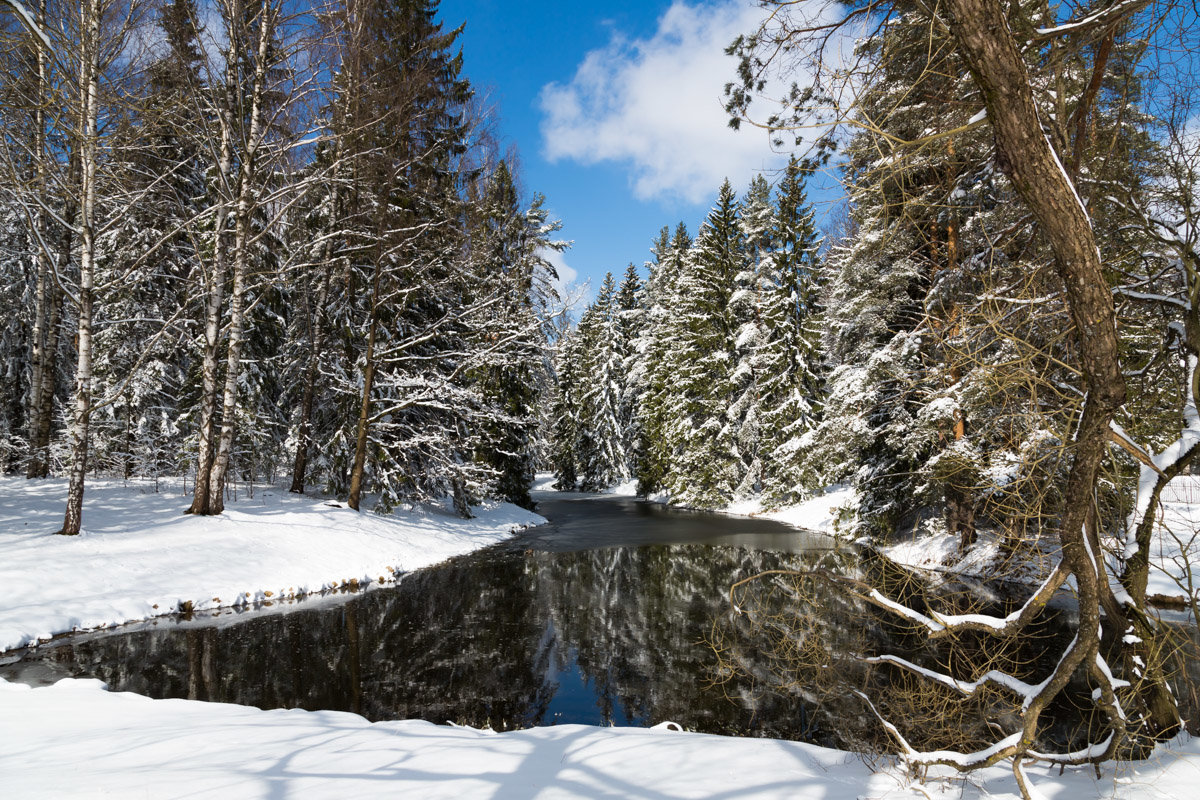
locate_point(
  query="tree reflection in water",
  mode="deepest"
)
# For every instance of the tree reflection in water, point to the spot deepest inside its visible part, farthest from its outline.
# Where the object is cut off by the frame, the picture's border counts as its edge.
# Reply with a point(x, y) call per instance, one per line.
point(534, 633)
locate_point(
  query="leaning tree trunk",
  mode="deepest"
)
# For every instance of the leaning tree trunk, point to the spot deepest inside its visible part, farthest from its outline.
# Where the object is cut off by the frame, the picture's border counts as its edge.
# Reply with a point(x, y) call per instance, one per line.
point(88, 128)
point(1026, 157)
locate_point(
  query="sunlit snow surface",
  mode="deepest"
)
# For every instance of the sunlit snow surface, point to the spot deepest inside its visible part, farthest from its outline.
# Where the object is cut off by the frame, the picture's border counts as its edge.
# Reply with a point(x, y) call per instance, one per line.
point(75, 740)
point(1175, 550)
point(140, 556)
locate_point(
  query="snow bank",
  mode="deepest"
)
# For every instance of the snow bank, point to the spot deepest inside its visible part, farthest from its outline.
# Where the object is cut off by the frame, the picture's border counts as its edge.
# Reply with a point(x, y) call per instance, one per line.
point(140, 556)
point(1174, 550)
point(74, 740)
point(818, 513)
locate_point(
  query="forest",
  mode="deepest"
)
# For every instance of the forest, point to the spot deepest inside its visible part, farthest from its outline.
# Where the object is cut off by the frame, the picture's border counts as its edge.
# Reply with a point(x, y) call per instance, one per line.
point(997, 335)
point(262, 241)
point(278, 242)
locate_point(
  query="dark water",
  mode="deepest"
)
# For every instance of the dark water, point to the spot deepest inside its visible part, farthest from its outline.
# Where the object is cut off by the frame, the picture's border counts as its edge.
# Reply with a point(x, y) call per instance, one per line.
point(605, 616)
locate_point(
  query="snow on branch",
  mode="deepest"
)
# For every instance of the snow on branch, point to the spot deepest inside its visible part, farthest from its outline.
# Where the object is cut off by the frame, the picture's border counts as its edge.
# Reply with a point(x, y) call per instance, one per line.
point(965, 688)
point(937, 625)
point(1118, 435)
point(1098, 20)
point(27, 20)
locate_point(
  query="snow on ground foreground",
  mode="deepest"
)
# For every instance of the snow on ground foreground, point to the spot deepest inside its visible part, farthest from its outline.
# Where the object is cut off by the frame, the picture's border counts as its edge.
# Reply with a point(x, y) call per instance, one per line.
point(74, 740)
point(140, 556)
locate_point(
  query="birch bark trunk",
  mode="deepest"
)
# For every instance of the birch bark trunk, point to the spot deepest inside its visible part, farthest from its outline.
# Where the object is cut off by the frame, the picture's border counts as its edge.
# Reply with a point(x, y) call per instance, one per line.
point(37, 466)
point(217, 277)
point(246, 205)
point(89, 70)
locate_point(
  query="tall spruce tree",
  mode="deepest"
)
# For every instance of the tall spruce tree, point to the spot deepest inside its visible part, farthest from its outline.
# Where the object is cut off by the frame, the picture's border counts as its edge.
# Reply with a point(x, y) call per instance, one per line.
point(706, 469)
point(790, 359)
point(654, 374)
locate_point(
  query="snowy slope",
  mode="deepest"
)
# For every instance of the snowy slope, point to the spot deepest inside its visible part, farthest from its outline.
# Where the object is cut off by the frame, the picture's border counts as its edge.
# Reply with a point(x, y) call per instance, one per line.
point(141, 556)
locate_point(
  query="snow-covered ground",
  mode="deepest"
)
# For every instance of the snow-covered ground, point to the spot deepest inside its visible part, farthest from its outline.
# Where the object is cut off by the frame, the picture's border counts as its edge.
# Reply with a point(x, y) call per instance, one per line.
point(817, 513)
point(140, 556)
point(1174, 551)
point(74, 740)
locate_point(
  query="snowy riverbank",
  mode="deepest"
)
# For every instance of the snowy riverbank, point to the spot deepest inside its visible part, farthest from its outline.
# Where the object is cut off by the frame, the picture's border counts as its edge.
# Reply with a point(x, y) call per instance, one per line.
point(140, 556)
point(818, 513)
point(74, 740)
point(1174, 553)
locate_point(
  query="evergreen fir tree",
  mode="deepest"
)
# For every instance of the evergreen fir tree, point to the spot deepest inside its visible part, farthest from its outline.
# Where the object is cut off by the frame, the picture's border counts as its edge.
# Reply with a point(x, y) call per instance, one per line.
point(707, 468)
point(653, 374)
point(602, 458)
point(791, 388)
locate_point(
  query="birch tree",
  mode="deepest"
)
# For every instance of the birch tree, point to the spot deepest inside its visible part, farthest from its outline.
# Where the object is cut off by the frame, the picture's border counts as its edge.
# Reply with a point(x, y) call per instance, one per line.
point(99, 48)
point(243, 124)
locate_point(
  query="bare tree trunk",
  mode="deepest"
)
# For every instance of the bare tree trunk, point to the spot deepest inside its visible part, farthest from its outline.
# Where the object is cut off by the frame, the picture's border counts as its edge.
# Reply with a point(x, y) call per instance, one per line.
point(43, 411)
point(212, 330)
point(37, 465)
point(215, 298)
point(1025, 155)
point(88, 124)
point(364, 415)
point(237, 315)
point(246, 204)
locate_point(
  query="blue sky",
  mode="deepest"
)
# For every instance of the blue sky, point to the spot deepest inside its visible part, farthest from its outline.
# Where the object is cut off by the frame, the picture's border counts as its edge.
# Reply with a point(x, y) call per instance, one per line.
point(615, 108)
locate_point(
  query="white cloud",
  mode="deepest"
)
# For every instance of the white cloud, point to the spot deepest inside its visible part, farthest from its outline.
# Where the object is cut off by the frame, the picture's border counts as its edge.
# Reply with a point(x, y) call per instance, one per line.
point(656, 105)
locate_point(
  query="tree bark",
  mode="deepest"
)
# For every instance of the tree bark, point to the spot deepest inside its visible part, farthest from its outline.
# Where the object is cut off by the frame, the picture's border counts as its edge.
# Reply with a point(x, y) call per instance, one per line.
point(37, 465)
point(364, 416)
point(246, 205)
point(311, 373)
point(209, 493)
point(89, 70)
point(215, 295)
point(1025, 155)
point(42, 411)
